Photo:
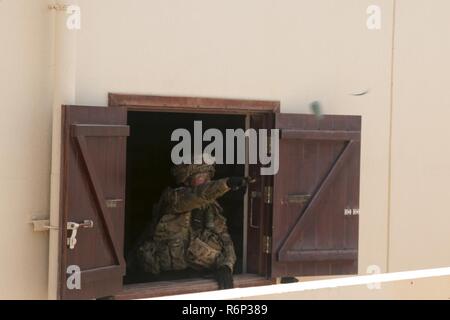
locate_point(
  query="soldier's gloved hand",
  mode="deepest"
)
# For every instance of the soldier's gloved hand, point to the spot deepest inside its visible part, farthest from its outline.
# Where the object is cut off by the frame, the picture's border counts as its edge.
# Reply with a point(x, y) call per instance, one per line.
point(224, 277)
point(236, 183)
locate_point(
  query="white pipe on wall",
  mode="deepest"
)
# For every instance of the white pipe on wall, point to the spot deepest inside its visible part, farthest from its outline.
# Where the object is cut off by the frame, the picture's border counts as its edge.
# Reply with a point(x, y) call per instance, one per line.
point(64, 93)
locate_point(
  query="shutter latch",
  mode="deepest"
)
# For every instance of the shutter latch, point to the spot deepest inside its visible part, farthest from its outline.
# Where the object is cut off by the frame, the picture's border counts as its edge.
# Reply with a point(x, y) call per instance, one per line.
point(40, 225)
point(72, 241)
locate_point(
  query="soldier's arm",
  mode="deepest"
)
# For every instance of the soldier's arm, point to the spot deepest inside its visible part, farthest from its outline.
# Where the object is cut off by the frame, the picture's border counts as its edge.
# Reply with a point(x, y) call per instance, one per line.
point(187, 199)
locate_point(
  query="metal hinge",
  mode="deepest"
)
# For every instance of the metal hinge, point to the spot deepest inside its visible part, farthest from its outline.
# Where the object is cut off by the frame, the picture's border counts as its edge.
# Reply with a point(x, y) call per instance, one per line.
point(267, 244)
point(268, 194)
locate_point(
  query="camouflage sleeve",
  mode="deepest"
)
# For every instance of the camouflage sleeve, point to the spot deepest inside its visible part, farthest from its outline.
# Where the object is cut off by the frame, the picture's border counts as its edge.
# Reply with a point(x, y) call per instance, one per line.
point(186, 199)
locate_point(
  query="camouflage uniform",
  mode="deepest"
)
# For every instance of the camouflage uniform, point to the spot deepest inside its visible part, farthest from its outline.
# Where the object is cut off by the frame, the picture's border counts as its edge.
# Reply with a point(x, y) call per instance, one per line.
point(191, 231)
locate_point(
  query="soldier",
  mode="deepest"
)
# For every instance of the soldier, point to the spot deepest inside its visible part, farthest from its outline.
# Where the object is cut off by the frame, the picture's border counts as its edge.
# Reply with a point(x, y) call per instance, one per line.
point(190, 230)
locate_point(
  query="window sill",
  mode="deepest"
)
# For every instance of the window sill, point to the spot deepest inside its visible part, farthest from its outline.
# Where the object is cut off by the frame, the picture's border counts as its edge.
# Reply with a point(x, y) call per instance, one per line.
point(166, 288)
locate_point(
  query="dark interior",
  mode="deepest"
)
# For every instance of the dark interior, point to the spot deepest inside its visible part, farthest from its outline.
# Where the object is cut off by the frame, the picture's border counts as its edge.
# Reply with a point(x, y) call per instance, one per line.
point(148, 174)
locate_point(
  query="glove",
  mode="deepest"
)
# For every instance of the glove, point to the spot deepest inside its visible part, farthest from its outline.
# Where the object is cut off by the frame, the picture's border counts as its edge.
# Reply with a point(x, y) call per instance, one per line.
point(236, 183)
point(224, 277)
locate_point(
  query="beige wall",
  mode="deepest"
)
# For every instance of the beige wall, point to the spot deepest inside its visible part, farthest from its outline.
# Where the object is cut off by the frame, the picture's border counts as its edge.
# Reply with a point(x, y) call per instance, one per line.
point(295, 51)
point(25, 134)
point(420, 207)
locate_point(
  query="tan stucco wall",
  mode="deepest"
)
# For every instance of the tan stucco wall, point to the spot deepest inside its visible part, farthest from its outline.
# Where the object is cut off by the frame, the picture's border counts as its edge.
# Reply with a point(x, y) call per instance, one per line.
point(295, 51)
point(25, 139)
point(420, 207)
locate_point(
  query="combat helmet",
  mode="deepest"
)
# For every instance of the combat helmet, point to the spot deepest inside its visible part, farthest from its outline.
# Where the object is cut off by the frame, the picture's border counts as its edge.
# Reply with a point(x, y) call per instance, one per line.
point(182, 172)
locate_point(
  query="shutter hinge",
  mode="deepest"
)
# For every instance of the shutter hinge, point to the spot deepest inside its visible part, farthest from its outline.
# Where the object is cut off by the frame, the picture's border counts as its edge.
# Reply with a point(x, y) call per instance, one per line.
point(268, 194)
point(267, 244)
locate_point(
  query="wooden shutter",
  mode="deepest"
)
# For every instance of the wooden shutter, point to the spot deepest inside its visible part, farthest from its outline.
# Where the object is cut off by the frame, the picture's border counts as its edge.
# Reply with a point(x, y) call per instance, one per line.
point(316, 196)
point(93, 190)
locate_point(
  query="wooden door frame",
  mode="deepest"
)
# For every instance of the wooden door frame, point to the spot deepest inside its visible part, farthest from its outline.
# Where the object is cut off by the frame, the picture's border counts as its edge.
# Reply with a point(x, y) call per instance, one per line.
point(154, 103)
